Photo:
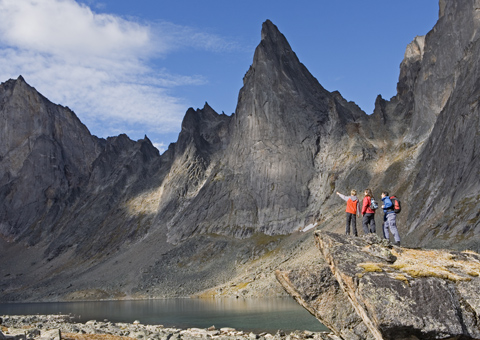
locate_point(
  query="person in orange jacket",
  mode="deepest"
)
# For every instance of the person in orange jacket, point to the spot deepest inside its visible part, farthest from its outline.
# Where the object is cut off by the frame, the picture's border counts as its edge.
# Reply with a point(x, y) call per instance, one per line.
point(352, 211)
point(368, 213)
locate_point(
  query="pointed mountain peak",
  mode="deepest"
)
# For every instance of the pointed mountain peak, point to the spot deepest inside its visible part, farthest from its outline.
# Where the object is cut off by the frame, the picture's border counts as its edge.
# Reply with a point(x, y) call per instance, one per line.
point(269, 30)
point(273, 40)
point(13, 82)
point(20, 84)
point(208, 108)
point(20, 81)
point(274, 63)
point(16, 88)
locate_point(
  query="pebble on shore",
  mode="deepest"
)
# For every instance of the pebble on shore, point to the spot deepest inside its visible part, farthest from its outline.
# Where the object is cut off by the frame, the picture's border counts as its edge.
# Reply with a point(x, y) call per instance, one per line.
point(56, 327)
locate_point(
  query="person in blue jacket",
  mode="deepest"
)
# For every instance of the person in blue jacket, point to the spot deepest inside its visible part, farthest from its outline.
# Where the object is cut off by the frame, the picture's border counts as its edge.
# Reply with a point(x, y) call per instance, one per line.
point(389, 219)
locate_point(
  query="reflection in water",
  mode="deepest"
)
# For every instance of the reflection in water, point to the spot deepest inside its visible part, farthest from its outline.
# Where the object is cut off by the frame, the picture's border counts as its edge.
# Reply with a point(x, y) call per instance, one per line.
point(258, 315)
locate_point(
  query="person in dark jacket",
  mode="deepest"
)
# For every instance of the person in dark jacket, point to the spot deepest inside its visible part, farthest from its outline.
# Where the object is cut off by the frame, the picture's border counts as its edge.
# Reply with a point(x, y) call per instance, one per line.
point(389, 219)
point(368, 213)
point(352, 210)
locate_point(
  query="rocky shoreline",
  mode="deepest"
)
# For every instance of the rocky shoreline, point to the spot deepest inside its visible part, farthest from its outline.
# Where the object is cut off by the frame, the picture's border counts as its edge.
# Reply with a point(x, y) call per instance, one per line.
point(56, 327)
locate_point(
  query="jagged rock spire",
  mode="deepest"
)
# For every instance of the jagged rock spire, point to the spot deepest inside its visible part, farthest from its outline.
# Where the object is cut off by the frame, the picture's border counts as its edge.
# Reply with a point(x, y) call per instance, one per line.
point(277, 63)
point(274, 45)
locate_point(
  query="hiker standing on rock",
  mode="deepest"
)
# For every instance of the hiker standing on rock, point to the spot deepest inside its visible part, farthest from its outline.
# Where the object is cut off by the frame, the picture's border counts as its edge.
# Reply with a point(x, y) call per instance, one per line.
point(368, 212)
point(389, 219)
point(352, 209)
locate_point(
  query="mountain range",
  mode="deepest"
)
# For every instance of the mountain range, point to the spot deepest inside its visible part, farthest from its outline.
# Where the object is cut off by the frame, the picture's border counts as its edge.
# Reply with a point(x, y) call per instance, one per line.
point(83, 217)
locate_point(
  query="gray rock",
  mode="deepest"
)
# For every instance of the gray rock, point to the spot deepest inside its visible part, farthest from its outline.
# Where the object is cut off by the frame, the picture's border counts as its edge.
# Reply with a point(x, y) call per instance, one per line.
point(424, 294)
point(316, 289)
point(53, 334)
point(140, 331)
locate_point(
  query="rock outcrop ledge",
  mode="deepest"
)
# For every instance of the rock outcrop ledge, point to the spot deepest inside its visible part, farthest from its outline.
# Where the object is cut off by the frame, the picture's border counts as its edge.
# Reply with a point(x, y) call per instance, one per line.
point(369, 289)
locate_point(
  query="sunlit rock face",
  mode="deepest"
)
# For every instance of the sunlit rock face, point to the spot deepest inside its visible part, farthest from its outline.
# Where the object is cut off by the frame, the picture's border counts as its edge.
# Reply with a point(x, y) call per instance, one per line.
point(72, 202)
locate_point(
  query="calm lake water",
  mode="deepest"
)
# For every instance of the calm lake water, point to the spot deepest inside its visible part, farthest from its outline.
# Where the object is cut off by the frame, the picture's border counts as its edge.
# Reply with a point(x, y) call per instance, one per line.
point(256, 315)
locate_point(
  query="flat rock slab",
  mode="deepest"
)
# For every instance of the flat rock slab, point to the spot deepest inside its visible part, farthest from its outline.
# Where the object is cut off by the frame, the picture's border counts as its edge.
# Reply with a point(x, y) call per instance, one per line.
point(410, 293)
point(379, 291)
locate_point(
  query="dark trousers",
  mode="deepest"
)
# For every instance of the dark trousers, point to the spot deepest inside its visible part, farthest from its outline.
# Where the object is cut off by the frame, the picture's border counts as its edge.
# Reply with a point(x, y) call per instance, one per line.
point(369, 219)
point(353, 219)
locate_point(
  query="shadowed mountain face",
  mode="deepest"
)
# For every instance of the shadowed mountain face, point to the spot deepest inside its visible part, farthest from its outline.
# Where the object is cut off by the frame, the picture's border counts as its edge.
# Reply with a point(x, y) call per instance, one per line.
point(79, 205)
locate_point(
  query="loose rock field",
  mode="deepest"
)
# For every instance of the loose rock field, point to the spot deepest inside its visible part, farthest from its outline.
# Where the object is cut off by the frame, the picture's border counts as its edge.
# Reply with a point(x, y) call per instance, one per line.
point(55, 327)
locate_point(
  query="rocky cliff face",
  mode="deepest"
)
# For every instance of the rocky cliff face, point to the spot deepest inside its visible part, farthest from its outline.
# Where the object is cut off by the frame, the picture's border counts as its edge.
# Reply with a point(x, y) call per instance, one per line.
point(282, 119)
point(46, 156)
point(88, 204)
point(436, 95)
point(59, 184)
point(448, 165)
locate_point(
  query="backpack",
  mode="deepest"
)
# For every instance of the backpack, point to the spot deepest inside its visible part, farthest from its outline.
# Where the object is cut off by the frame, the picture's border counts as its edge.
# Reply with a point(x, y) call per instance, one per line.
point(397, 207)
point(373, 204)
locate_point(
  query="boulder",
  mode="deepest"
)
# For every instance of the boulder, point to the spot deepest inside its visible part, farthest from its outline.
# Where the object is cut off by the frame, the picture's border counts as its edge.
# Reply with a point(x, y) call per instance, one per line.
point(398, 293)
point(316, 289)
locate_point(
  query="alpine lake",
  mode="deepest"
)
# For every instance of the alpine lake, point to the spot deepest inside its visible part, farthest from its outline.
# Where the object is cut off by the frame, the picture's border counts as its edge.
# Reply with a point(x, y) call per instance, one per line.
point(255, 315)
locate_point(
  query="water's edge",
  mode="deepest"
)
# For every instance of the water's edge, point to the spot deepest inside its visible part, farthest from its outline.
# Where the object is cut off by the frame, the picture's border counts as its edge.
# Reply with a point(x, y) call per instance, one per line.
point(253, 315)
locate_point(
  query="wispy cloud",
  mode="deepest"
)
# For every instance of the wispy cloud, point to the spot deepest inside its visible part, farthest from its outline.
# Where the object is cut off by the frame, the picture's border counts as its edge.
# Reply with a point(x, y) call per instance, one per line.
point(176, 36)
point(100, 65)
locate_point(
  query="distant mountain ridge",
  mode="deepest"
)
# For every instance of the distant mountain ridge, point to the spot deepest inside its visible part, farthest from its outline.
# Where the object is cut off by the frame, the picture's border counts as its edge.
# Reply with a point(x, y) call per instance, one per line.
point(74, 205)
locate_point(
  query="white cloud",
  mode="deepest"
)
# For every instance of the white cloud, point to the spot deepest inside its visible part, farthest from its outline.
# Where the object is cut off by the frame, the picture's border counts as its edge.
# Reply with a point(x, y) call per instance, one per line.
point(64, 27)
point(98, 64)
point(176, 36)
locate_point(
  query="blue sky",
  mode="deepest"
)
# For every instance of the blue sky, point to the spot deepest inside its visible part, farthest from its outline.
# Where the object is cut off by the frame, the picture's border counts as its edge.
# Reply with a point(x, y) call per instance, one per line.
point(135, 67)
